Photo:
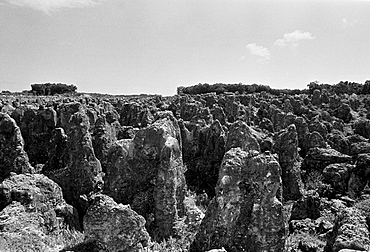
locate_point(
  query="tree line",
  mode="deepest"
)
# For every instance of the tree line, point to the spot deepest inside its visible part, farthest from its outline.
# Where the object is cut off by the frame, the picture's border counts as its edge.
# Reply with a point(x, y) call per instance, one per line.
point(343, 87)
point(52, 88)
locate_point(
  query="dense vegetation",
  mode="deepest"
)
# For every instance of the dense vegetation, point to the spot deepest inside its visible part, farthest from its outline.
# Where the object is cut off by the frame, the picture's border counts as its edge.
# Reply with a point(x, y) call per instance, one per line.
point(52, 89)
point(343, 87)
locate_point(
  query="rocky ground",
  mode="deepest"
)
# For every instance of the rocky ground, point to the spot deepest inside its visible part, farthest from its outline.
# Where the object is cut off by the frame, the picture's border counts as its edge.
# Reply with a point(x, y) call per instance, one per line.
point(229, 172)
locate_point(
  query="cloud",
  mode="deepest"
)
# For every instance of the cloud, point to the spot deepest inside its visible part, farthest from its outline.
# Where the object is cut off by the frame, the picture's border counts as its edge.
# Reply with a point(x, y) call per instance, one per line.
point(293, 38)
point(259, 51)
point(48, 6)
point(346, 23)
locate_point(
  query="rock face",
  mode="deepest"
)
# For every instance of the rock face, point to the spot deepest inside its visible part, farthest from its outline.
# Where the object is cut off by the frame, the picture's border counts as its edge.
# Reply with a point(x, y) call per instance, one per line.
point(36, 126)
point(104, 136)
point(83, 173)
point(13, 158)
point(240, 135)
point(359, 176)
point(117, 227)
point(350, 231)
point(203, 149)
point(338, 175)
point(58, 153)
point(148, 173)
point(246, 214)
point(287, 146)
point(33, 214)
point(319, 158)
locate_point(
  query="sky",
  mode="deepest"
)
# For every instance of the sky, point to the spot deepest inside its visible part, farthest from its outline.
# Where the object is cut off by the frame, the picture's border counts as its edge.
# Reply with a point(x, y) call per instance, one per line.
point(154, 46)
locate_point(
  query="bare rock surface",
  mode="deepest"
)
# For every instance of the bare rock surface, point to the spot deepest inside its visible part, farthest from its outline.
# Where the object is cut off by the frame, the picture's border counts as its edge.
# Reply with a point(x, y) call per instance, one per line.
point(115, 226)
point(34, 215)
point(350, 231)
point(148, 173)
point(240, 135)
point(203, 150)
point(287, 146)
point(83, 173)
point(246, 214)
point(13, 158)
point(319, 158)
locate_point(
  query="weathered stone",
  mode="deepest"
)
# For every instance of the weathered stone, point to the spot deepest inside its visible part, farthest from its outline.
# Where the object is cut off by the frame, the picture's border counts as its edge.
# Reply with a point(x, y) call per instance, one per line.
point(350, 231)
point(218, 114)
point(240, 135)
point(136, 115)
point(362, 127)
point(306, 207)
point(313, 140)
point(302, 131)
point(245, 214)
point(13, 158)
point(36, 126)
point(344, 112)
point(316, 95)
point(318, 126)
point(319, 158)
point(203, 149)
point(34, 214)
point(287, 148)
point(307, 226)
point(359, 176)
point(359, 148)
point(148, 173)
point(83, 173)
point(339, 142)
point(103, 137)
point(266, 124)
point(58, 152)
point(337, 175)
point(65, 111)
point(116, 226)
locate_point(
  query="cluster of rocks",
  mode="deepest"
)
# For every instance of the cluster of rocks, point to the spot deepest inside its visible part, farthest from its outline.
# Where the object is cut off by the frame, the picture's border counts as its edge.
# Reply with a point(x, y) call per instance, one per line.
point(270, 170)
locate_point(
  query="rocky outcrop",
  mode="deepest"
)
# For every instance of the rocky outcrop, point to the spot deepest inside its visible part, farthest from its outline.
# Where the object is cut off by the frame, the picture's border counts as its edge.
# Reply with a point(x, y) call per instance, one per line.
point(319, 158)
point(240, 135)
point(203, 149)
point(13, 158)
point(104, 135)
point(350, 231)
point(339, 142)
point(359, 176)
point(306, 207)
point(362, 127)
point(245, 214)
point(338, 175)
point(148, 173)
point(117, 227)
point(359, 148)
point(287, 148)
point(34, 214)
point(36, 126)
point(83, 173)
point(58, 152)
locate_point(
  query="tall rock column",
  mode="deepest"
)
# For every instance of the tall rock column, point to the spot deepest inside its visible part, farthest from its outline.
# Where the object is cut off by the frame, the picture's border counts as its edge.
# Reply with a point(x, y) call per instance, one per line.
point(13, 158)
point(287, 145)
point(82, 174)
point(147, 172)
point(245, 215)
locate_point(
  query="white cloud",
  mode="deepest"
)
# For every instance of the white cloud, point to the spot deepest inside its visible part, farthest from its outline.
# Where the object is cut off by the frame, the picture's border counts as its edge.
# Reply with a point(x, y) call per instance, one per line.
point(259, 51)
point(293, 37)
point(48, 6)
point(346, 23)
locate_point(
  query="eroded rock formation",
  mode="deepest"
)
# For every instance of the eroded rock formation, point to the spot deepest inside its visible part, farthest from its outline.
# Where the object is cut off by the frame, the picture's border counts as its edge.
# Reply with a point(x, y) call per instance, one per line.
point(245, 214)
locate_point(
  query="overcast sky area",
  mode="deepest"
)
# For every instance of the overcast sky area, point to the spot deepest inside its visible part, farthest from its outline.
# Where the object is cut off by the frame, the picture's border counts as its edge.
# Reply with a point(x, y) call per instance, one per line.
point(154, 46)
